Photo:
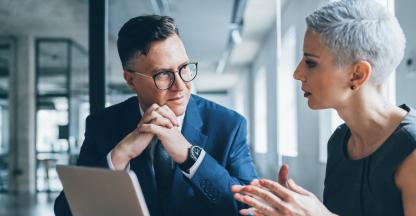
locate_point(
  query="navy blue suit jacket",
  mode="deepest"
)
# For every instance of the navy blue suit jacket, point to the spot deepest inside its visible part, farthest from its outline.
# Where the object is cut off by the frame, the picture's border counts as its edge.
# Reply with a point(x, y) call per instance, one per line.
point(219, 131)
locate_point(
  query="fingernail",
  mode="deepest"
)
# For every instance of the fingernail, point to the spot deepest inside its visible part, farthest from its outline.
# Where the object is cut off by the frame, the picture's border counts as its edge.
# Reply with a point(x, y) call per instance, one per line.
point(236, 186)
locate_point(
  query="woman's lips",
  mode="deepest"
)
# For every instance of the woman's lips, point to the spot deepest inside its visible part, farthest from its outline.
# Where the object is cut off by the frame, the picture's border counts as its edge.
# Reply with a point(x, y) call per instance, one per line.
point(306, 93)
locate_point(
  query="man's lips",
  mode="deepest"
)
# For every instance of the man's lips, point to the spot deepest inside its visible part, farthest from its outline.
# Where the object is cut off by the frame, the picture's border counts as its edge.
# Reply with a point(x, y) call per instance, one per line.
point(176, 98)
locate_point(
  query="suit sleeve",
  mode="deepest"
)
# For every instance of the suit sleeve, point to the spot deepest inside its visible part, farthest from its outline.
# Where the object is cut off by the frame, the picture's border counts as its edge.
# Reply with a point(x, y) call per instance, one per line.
point(89, 156)
point(214, 180)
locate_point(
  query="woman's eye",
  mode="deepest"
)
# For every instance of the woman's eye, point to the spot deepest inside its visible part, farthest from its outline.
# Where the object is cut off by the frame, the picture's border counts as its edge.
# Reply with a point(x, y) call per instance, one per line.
point(310, 63)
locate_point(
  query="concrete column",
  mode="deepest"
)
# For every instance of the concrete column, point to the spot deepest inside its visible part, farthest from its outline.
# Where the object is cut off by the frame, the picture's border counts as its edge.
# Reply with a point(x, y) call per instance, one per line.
point(22, 161)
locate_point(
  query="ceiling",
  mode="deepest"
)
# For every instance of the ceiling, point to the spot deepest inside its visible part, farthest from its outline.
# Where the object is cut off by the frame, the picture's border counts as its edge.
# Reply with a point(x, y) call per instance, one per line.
point(204, 27)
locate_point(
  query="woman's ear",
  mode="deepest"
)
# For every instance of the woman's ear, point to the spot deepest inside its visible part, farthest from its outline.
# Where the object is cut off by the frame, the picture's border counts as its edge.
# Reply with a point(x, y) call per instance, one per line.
point(129, 77)
point(361, 74)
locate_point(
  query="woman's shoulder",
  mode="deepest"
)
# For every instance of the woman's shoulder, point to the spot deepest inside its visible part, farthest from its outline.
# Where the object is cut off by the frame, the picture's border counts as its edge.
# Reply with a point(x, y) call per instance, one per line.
point(402, 142)
point(408, 125)
point(339, 134)
point(336, 141)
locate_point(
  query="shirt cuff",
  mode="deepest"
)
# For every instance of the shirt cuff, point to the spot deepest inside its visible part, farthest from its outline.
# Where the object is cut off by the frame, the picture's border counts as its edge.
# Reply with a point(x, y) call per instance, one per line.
point(196, 165)
point(111, 166)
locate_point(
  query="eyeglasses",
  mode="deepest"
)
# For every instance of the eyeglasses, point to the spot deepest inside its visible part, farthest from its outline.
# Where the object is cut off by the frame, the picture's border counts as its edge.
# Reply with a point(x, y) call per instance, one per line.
point(165, 79)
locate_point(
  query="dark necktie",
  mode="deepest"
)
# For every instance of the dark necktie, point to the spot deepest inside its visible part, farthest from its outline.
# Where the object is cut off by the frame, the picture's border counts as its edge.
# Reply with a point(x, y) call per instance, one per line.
point(164, 168)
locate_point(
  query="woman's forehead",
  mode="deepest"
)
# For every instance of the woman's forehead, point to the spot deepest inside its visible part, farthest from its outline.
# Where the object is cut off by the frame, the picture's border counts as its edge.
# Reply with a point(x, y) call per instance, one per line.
point(314, 46)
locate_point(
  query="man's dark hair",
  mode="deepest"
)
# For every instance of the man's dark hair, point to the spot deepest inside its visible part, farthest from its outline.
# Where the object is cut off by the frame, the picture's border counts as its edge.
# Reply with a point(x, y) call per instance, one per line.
point(138, 33)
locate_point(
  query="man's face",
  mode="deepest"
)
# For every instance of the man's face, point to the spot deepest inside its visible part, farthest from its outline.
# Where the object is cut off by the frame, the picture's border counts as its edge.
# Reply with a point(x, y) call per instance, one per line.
point(168, 54)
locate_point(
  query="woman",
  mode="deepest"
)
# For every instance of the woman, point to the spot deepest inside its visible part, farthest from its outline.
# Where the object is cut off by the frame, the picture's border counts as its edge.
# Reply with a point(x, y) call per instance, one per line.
point(350, 48)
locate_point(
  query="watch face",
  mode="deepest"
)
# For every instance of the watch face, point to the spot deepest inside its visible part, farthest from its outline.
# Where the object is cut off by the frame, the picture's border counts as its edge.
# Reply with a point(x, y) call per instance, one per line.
point(195, 152)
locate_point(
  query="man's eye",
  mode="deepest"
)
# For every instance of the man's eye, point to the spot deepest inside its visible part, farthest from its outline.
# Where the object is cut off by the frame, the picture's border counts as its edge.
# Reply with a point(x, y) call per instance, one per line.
point(164, 74)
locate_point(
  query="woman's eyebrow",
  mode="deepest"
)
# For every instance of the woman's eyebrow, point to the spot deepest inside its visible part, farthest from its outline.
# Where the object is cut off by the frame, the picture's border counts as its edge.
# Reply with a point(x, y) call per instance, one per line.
point(310, 55)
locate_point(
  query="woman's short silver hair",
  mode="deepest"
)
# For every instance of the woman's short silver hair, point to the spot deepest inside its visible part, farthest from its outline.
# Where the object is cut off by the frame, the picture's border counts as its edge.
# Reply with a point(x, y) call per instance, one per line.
point(360, 30)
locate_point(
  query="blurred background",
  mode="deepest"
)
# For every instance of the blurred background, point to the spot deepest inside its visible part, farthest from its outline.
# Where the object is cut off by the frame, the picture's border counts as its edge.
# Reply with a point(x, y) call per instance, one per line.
point(59, 61)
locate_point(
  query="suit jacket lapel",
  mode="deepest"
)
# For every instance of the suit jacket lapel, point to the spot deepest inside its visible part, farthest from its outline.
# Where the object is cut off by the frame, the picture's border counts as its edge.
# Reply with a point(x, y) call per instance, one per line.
point(192, 125)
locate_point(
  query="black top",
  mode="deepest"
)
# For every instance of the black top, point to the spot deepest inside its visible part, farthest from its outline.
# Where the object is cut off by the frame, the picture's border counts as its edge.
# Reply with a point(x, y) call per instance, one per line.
point(366, 186)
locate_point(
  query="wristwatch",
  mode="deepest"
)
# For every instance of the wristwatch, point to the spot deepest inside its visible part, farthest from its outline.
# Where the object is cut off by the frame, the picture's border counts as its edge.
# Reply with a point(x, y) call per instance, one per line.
point(193, 155)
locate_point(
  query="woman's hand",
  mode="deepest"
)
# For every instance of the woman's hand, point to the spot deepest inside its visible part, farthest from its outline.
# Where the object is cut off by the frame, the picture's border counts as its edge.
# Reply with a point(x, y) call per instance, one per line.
point(270, 198)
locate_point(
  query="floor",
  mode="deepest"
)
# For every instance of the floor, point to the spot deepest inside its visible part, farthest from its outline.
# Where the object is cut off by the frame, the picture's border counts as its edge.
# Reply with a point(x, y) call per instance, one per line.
point(40, 204)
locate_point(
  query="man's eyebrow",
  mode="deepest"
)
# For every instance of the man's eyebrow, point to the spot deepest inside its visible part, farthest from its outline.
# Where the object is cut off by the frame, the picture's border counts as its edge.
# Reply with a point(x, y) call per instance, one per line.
point(169, 69)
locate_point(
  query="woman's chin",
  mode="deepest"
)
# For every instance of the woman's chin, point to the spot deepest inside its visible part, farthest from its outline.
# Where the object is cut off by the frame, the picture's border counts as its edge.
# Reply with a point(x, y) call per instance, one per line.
point(315, 106)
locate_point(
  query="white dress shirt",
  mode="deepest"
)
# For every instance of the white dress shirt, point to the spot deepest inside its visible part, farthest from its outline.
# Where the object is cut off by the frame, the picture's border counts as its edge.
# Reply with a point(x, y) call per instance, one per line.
point(192, 170)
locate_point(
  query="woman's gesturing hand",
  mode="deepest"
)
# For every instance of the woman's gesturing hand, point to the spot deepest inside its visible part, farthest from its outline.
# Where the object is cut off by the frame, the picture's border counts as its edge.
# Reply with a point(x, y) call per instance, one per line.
point(269, 198)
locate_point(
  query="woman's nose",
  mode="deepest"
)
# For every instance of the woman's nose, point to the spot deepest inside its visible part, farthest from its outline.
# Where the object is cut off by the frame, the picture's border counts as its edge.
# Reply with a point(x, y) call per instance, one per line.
point(297, 73)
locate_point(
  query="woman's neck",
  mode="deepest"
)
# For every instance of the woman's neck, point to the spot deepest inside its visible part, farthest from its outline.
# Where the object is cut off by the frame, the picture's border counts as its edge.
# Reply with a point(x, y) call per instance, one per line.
point(371, 121)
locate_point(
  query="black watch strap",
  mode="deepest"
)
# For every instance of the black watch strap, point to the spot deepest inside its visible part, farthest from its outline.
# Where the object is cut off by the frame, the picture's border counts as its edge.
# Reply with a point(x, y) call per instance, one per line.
point(193, 155)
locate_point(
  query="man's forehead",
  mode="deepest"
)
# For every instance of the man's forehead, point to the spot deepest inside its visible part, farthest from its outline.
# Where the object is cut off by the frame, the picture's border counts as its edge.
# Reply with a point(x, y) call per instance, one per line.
point(167, 54)
point(149, 64)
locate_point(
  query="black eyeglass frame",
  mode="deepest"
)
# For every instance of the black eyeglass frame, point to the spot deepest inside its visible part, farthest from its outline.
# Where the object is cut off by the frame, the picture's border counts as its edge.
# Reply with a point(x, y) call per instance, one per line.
point(172, 73)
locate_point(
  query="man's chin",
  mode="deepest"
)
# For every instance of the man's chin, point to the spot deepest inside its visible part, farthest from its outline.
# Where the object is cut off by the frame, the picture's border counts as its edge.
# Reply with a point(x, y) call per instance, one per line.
point(178, 109)
point(178, 106)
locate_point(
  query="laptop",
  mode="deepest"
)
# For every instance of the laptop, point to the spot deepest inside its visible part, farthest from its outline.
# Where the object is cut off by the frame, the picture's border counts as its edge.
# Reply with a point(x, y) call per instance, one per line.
point(97, 191)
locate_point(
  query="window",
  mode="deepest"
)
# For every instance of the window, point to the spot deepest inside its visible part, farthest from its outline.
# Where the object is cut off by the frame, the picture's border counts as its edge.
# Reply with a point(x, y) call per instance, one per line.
point(286, 91)
point(389, 89)
point(260, 112)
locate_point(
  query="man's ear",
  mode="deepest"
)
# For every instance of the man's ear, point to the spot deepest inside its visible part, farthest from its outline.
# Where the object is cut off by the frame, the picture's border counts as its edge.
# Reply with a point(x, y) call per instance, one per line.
point(361, 73)
point(129, 77)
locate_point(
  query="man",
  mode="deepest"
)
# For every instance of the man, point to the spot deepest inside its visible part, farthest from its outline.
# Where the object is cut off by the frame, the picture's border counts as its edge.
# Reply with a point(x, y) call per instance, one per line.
point(186, 151)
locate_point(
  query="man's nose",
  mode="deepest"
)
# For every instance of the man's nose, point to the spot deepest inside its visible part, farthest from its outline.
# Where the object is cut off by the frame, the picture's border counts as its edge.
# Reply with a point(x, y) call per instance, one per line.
point(179, 83)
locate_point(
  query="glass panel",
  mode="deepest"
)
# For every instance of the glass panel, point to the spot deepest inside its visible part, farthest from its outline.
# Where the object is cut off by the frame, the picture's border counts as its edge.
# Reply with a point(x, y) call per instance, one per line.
point(62, 92)
point(287, 125)
point(78, 99)
point(5, 63)
point(260, 112)
point(52, 59)
point(52, 67)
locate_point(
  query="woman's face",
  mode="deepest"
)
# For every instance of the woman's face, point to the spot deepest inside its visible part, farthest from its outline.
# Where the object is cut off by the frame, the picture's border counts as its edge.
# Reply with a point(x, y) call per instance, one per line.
point(323, 83)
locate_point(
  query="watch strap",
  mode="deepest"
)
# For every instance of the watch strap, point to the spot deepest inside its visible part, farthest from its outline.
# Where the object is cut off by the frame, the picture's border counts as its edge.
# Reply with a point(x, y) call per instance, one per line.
point(191, 159)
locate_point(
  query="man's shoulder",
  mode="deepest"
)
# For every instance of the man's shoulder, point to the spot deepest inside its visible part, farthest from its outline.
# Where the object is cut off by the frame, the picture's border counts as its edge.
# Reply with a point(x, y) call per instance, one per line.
point(210, 109)
point(116, 110)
